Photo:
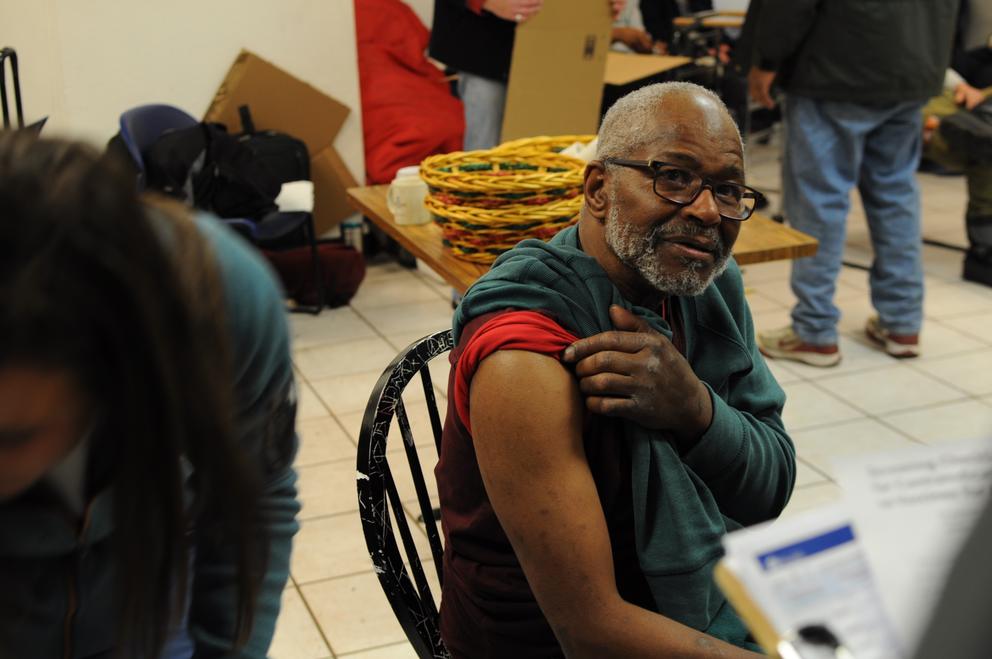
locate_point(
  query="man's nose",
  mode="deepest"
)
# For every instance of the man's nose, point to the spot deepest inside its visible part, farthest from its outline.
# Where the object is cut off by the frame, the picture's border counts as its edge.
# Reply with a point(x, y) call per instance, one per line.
point(703, 208)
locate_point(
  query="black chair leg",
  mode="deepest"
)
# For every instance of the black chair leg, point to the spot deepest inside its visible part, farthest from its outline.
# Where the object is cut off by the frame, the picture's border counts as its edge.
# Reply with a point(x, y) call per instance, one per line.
point(316, 271)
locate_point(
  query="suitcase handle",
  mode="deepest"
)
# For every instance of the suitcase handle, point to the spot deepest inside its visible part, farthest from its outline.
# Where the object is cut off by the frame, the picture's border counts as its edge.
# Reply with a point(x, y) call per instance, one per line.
point(247, 125)
point(5, 54)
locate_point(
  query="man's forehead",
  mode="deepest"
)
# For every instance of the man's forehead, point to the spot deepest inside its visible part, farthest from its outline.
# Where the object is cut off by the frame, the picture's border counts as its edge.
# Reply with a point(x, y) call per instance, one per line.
point(692, 123)
point(692, 117)
point(689, 144)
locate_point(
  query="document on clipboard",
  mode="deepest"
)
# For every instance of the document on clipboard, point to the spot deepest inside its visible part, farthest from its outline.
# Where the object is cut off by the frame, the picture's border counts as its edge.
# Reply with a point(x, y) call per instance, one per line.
point(804, 571)
point(868, 569)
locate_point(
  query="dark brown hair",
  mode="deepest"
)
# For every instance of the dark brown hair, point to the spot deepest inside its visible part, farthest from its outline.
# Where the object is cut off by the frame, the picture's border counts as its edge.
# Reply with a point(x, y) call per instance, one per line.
point(126, 297)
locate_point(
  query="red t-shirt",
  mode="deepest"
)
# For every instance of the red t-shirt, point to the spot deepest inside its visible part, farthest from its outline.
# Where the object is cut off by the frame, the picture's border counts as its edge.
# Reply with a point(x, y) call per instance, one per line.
point(487, 607)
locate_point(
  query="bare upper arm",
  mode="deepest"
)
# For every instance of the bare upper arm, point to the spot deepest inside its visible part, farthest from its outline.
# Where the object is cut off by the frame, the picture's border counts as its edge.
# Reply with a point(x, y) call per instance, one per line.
point(526, 414)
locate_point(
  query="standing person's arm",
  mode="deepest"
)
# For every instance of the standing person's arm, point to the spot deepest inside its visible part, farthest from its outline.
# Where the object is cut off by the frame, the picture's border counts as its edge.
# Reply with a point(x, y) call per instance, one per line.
point(265, 401)
point(517, 11)
point(782, 25)
point(528, 441)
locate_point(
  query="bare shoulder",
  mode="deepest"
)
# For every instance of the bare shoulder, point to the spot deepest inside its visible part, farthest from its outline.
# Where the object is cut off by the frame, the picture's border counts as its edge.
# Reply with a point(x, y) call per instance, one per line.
point(520, 379)
point(524, 398)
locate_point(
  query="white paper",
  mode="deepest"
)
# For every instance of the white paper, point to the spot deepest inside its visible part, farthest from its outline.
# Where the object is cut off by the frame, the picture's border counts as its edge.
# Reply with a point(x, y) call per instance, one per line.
point(810, 569)
point(295, 196)
point(584, 152)
point(730, 5)
point(912, 510)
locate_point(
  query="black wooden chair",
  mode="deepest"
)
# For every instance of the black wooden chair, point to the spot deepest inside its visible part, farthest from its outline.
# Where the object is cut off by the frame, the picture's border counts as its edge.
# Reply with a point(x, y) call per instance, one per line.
point(380, 504)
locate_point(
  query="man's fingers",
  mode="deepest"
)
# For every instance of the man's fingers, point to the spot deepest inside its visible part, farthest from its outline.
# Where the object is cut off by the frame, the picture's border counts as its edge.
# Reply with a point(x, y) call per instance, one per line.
point(760, 93)
point(606, 361)
point(627, 321)
point(621, 341)
point(973, 98)
point(760, 86)
point(606, 384)
point(610, 406)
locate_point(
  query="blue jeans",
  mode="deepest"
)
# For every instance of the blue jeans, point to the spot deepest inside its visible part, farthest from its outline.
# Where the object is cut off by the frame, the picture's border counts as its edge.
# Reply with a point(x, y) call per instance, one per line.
point(831, 147)
point(484, 101)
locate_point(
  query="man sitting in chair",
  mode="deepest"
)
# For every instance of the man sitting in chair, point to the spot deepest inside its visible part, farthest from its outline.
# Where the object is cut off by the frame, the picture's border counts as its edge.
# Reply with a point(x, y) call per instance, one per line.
point(610, 417)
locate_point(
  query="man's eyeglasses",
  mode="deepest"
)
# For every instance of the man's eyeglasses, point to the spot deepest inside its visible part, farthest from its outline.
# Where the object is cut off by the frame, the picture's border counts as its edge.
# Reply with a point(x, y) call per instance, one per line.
point(681, 186)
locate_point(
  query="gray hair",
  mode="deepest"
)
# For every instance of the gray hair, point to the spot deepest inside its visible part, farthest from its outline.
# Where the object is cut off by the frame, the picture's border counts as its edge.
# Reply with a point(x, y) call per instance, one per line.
point(631, 122)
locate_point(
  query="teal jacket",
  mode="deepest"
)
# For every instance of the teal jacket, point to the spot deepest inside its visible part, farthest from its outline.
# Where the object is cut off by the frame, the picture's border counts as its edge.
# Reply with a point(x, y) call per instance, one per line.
point(740, 472)
point(57, 587)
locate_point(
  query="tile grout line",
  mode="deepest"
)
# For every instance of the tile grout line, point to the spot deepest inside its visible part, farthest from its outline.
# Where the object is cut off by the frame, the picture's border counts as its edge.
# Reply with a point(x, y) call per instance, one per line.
point(890, 426)
point(349, 575)
point(306, 382)
point(313, 618)
point(874, 415)
point(405, 643)
point(810, 465)
point(947, 383)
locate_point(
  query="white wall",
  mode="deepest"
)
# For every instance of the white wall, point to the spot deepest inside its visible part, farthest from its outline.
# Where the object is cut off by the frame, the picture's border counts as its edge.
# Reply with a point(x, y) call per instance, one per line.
point(423, 8)
point(83, 62)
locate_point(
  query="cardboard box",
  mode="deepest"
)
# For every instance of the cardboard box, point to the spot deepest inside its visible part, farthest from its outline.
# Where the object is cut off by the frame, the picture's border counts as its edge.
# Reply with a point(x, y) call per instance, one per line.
point(557, 70)
point(282, 102)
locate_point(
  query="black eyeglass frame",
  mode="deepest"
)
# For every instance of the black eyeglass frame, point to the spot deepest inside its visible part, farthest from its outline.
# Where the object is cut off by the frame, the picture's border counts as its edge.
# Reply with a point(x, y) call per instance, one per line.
point(705, 182)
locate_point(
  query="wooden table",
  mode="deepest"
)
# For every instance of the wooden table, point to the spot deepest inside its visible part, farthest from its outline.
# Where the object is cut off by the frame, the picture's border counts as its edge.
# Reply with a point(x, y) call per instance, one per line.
point(761, 239)
point(727, 19)
point(624, 68)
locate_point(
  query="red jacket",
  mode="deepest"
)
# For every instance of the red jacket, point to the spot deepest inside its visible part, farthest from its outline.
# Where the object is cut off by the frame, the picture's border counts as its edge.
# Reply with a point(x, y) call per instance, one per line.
point(408, 111)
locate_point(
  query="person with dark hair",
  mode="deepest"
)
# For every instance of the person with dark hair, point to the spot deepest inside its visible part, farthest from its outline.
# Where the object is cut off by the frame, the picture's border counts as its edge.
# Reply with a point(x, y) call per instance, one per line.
point(147, 410)
point(609, 415)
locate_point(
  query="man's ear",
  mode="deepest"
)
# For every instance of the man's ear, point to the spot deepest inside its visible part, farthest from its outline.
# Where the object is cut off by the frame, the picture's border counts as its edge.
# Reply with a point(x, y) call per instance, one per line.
point(594, 188)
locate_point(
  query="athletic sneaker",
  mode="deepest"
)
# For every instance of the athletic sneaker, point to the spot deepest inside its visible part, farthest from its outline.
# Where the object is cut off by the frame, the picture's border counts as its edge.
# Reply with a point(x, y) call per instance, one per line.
point(896, 345)
point(784, 344)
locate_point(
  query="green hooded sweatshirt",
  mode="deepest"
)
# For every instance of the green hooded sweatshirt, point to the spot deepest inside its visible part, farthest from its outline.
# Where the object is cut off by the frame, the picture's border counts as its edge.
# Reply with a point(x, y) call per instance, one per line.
point(741, 470)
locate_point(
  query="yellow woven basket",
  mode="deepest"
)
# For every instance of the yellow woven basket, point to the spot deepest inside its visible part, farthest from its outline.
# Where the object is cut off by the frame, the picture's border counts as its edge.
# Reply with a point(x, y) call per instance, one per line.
point(487, 201)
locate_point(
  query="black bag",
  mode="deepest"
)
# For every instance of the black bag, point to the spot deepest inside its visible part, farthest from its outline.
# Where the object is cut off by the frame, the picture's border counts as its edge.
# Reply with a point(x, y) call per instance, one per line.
point(286, 157)
point(234, 176)
point(208, 168)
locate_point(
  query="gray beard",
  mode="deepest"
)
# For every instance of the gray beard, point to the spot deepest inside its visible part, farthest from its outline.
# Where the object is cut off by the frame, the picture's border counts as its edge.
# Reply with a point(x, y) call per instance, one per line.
point(637, 252)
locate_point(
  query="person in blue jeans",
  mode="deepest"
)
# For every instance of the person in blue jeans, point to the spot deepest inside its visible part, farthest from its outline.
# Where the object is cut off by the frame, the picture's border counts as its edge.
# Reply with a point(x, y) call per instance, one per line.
point(475, 38)
point(856, 75)
point(147, 420)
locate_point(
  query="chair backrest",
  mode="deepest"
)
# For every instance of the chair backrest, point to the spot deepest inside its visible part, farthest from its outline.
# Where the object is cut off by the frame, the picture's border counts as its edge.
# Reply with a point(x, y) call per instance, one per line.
point(141, 126)
point(380, 503)
point(9, 54)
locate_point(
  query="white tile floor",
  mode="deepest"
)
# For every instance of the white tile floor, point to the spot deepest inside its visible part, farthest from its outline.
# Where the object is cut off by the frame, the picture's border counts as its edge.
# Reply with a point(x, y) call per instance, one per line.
point(334, 607)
